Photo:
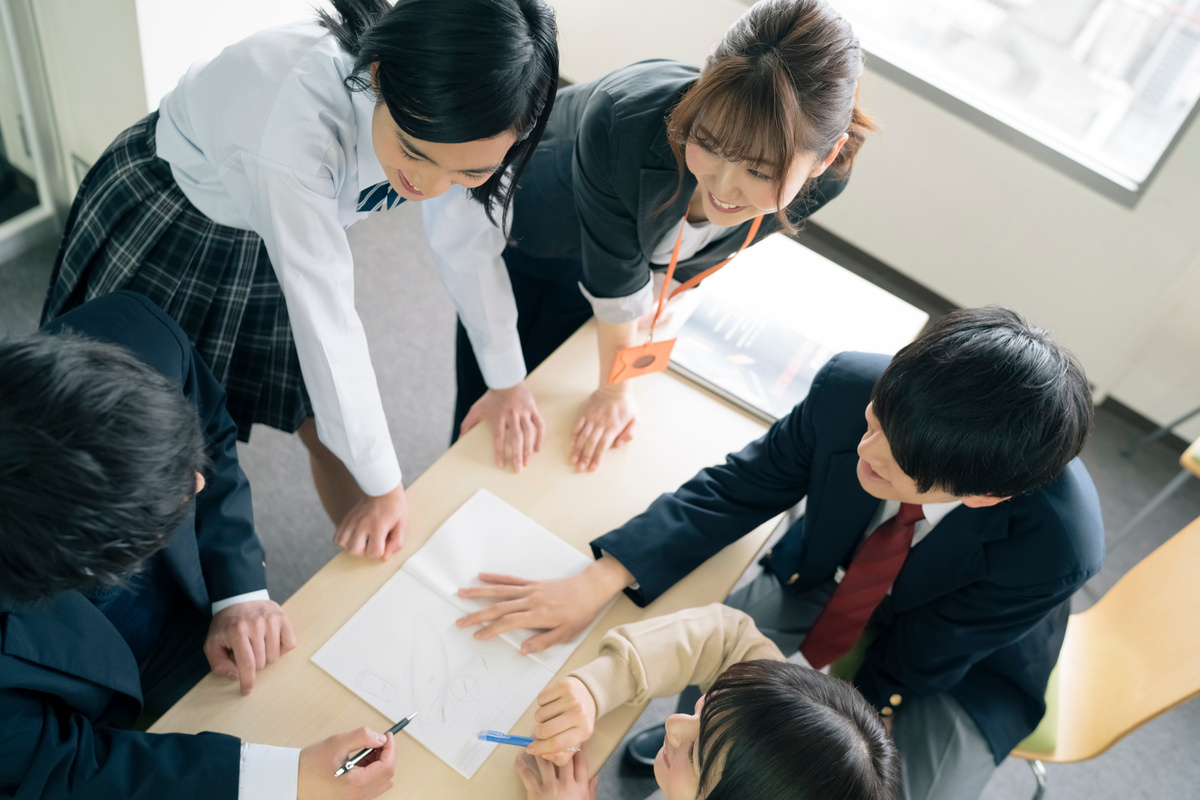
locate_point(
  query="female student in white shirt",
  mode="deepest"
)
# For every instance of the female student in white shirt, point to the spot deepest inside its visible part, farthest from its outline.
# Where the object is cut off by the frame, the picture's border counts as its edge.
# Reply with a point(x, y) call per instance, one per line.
point(228, 206)
point(769, 128)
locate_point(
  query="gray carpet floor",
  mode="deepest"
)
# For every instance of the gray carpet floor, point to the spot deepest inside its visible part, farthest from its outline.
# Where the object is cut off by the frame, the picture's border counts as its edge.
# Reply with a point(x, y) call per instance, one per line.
point(410, 322)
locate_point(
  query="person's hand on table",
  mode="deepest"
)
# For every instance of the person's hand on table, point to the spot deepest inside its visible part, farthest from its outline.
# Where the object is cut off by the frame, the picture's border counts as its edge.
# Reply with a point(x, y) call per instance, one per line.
point(566, 717)
point(371, 778)
point(606, 420)
point(563, 606)
point(245, 638)
point(375, 527)
point(517, 425)
point(546, 781)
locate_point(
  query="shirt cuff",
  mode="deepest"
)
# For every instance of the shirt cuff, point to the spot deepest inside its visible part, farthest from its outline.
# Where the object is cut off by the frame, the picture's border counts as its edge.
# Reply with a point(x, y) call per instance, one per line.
point(504, 368)
point(221, 605)
point(268, 773)
point(618, 310)
point(379, 476)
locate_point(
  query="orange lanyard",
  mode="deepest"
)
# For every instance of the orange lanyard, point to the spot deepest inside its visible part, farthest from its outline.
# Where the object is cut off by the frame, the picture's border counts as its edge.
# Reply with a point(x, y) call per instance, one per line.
point(663, 297)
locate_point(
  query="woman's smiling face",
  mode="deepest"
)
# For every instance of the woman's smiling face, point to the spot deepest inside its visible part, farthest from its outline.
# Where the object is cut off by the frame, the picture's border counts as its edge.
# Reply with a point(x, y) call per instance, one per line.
point(735, 191)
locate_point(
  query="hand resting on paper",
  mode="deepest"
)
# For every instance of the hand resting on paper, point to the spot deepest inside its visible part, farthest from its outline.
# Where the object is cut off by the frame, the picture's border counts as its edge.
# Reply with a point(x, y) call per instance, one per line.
point(566, 717)
point(562, 607)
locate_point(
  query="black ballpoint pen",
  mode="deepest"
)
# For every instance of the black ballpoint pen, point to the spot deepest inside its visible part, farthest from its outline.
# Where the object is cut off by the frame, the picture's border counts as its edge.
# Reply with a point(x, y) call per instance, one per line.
point(352, 762)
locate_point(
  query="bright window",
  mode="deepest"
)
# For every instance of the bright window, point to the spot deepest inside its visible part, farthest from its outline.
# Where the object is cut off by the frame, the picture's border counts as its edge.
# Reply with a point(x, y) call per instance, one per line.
point(1107, 83)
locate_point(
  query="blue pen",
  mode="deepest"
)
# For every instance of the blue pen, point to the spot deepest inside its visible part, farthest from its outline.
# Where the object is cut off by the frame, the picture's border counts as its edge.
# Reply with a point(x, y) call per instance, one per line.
point(504, 738)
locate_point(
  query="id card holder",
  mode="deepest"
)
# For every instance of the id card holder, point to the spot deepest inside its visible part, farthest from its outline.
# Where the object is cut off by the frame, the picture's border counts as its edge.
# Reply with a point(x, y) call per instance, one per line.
point(641, 360)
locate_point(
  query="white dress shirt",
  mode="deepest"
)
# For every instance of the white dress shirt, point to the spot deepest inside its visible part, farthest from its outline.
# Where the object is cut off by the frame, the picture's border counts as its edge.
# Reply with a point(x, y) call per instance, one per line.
point(265, 137)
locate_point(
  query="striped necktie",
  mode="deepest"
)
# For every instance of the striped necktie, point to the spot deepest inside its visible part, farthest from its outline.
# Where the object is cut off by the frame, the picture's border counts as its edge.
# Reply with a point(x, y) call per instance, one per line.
point(379, 197)
point(865, 584)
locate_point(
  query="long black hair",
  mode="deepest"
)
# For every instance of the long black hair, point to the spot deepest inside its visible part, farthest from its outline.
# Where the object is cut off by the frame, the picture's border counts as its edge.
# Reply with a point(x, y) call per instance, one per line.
point(455, 71)
point(773, 730)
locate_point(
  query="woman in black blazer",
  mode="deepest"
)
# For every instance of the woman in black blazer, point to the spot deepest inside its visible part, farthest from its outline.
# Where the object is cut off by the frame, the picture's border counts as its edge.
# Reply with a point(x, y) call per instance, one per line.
point(769, 128)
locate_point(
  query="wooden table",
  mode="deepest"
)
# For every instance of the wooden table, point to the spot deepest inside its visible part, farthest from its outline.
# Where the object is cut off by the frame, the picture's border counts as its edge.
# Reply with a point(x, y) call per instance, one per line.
point(680, 429)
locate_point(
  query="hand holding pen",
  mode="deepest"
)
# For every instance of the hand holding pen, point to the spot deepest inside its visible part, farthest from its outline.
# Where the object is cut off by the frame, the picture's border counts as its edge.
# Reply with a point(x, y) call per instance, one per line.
point(566, 717)
point(361, 756)
point(319, 762)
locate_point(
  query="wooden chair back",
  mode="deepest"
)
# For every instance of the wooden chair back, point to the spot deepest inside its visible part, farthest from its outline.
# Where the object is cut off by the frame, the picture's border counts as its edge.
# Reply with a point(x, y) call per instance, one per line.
point(1134, 655)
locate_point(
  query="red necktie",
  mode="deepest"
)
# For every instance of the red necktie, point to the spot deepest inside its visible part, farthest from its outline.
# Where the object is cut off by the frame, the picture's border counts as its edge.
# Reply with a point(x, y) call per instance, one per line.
point(865, 584)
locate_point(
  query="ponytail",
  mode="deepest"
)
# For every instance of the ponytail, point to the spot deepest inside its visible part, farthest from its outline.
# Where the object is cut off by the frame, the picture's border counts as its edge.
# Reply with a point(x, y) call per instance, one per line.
point(356, 17)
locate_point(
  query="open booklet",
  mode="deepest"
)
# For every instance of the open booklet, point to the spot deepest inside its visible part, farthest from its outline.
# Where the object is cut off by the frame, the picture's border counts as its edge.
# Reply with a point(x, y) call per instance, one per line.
point(401, 652)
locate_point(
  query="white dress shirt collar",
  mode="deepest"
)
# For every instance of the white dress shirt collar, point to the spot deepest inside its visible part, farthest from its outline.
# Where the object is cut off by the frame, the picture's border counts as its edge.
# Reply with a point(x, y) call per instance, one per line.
point(370, 172)
point(934, 513)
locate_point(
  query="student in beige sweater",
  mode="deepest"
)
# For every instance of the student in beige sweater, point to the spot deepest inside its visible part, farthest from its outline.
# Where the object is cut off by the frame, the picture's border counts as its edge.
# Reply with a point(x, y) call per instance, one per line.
point(765, 727)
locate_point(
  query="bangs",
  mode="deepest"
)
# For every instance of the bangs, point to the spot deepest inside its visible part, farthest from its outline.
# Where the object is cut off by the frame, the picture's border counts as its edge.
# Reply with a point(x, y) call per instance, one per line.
point(745, 114)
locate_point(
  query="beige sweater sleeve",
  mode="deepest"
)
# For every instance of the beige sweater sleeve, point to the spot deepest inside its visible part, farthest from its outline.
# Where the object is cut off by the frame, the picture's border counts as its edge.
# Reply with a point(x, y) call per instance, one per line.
point(658, 657)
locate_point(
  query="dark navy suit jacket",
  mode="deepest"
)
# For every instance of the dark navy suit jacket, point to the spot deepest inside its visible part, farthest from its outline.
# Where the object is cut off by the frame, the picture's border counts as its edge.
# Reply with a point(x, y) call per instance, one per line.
point(69, 685)
point(980, 607)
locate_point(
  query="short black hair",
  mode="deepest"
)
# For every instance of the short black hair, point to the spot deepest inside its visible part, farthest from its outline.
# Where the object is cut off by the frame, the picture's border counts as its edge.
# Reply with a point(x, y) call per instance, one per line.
point(458, 71)
point(98, 462)
point(983, 403)
point(774, 730)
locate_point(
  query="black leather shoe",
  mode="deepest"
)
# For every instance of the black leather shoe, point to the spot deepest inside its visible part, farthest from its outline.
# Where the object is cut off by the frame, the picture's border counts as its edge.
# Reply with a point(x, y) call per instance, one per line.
point(643, 748)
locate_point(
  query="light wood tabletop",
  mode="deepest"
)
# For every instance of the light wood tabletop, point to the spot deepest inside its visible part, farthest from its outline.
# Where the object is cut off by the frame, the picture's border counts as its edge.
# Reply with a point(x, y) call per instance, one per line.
point(679, 430)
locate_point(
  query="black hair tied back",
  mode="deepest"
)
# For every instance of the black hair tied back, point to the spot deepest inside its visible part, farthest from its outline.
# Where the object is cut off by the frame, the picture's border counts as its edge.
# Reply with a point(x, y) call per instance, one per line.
point(454, 71)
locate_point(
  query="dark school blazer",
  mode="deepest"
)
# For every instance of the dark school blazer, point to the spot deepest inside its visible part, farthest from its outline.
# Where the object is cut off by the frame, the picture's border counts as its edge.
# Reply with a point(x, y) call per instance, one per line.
point(979, 608)
point(69, 685)
point(591, 190)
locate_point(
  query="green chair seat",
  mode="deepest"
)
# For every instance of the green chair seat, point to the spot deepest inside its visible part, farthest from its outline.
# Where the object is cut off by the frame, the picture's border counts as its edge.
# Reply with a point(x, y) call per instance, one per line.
point(1044, 738)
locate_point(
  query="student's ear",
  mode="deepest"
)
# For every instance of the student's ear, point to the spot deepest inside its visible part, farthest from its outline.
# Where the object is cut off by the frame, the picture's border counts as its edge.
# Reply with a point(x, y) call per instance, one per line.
point(375, 76)
point(983, 501)
point(199, 483)
point(829, 159)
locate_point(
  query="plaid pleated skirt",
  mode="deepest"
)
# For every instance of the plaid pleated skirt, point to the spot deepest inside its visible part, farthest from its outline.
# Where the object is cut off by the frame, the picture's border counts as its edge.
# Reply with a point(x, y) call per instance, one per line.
point(131, 227)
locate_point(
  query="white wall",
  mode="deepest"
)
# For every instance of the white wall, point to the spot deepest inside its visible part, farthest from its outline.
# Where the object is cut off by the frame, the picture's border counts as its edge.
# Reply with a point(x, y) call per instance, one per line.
point(167, 51)
point(94, 70)
point(978, 221)
point(109, 62)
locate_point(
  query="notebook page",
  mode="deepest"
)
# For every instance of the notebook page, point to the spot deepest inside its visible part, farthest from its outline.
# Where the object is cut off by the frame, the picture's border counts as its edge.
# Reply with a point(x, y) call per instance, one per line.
point(486, 534)
point(401, 652)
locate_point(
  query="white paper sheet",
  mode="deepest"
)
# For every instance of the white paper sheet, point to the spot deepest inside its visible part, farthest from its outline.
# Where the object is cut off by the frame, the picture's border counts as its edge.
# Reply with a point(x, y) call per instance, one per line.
point(401, 652)
point(488, 535)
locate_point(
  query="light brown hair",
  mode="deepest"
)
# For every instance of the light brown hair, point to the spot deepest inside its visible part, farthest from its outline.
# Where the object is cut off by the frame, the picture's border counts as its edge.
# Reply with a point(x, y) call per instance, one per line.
point(783, 81)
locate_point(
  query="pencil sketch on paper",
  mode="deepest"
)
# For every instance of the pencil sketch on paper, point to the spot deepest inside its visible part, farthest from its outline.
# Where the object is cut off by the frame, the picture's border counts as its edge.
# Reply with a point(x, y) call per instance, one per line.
point(402, 651)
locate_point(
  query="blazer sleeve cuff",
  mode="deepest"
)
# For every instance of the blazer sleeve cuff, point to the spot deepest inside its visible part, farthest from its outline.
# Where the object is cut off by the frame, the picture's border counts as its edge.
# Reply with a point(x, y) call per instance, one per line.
point(619, 310)
point(636, 591)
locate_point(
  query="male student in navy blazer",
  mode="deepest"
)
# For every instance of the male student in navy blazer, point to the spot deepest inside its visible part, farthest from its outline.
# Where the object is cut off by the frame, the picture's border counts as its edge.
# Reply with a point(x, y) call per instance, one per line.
point(130, 567)
point(980, 421)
